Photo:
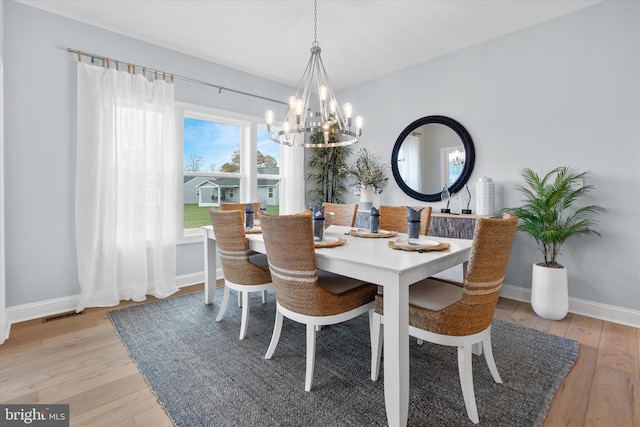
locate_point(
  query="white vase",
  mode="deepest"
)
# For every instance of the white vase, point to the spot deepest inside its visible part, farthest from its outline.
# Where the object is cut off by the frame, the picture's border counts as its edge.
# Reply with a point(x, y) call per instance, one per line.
point(366, 198)
point(549, 292)
point(485, 196)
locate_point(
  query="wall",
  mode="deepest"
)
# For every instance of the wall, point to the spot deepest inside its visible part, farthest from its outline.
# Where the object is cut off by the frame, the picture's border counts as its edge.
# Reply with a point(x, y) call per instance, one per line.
point(40, 136)
point(564, 92)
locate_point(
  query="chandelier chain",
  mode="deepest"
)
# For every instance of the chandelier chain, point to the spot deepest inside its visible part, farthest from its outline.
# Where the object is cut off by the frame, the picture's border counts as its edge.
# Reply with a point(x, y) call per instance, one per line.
point(315, 22)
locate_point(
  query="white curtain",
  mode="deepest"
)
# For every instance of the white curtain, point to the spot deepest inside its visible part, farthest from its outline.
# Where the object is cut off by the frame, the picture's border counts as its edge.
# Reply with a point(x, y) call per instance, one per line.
point(409, 162)
point(126, 187)
point(4, 326)
point(293, 200)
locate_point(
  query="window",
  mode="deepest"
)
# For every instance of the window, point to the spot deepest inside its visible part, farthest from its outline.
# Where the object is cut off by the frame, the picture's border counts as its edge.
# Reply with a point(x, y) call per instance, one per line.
point(218, 151)
point(268, 168)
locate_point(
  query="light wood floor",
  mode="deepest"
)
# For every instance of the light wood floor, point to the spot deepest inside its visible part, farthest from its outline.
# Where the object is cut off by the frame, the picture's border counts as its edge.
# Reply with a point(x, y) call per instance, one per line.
point(81, 361)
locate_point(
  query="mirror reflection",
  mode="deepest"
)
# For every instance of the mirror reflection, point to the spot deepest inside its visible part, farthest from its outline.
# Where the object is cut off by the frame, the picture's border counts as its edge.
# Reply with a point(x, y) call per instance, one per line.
point(430, 158)
point(431, 153)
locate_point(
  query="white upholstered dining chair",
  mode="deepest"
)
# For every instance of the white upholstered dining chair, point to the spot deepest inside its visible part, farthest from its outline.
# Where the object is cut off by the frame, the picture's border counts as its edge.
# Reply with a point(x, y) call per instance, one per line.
point(455, 314)
point(304, 293)
point(394, 218)
point(243, 271)
point(343, 214)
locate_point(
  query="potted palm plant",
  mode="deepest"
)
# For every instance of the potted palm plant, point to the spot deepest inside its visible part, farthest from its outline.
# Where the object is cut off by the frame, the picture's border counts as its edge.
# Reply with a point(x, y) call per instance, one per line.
point(548, 215)
point(327, 169)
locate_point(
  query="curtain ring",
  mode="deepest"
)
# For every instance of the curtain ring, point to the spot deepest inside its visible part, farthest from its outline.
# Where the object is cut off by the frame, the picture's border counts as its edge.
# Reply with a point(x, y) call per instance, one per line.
point(171, 78)
point(79, 56)
point(117, 66)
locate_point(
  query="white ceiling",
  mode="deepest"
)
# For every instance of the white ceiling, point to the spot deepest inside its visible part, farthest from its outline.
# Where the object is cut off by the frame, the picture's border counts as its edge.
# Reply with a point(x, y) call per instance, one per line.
point(360, 40)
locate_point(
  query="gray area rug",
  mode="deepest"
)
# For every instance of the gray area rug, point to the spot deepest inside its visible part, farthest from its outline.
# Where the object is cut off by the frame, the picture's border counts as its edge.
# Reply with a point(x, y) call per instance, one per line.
point(204, 376)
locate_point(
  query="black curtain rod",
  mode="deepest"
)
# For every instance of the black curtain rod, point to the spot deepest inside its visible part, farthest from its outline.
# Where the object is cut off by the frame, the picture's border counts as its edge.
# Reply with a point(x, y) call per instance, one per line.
point(186, 79)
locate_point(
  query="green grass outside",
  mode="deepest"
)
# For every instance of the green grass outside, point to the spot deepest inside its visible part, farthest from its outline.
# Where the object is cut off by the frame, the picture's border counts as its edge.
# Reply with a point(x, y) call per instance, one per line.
point(196, 216)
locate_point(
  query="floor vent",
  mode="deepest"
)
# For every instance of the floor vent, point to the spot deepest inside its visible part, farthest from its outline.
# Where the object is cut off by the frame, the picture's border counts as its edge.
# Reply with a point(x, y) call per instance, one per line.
point(61, 316)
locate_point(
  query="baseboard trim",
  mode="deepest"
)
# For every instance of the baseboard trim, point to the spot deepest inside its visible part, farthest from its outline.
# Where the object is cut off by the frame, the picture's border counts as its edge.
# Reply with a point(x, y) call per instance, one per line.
point(5, 328)
point(610, 313)
point(36, 310)
point(190, 279)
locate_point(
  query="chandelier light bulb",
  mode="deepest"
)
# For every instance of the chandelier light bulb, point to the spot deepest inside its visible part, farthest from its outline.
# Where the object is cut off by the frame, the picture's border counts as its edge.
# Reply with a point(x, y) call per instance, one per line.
point(299, 106)
point(333, 106)
point(358, 122)
point(348, 110)
point(268, 116)
point(322, 92)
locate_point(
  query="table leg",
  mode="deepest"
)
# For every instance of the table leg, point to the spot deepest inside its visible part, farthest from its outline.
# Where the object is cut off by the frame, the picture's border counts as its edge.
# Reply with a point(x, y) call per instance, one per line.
point(396, 354)
point(210, 267)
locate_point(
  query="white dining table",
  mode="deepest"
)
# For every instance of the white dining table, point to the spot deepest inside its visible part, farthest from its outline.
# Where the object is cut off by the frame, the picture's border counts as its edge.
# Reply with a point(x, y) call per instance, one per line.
point(372, 260)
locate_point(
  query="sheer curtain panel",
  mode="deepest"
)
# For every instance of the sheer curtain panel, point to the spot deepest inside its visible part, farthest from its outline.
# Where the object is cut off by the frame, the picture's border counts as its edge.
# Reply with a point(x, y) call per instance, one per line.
point(126, 187)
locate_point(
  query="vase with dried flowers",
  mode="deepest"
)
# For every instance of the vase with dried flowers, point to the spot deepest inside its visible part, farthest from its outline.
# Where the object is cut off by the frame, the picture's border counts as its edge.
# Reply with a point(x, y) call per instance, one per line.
point(367, 175)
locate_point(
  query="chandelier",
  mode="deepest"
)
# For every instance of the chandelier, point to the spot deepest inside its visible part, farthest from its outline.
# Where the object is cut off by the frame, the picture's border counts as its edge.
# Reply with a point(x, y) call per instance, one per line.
point(327, 126)
point(457, 158)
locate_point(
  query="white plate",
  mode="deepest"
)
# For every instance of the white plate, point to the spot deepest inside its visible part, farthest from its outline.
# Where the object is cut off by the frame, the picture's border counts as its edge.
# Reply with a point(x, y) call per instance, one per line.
point(422, 242)
point(328, 240)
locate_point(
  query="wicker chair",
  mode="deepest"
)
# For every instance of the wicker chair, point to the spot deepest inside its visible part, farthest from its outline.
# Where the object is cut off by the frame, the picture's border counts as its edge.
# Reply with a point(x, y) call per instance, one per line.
point(303, 293)
point(394, 218)
point(459, 315)
point(243, 272)
point(342, 214)
point(240, 207)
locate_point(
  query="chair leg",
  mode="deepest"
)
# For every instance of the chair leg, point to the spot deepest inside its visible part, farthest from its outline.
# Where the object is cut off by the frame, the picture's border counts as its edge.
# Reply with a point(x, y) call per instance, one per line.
point(376, 345)
point(311, 355)
point(466, 382)
point(277, 328)
point(245, 314)
point(477, 349)
point(264, 297)
point(223, 306)
point(488, 356)
point(239, 299)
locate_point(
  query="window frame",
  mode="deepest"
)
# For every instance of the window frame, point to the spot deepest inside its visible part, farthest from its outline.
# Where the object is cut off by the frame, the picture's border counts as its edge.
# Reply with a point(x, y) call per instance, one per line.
point(248, 174)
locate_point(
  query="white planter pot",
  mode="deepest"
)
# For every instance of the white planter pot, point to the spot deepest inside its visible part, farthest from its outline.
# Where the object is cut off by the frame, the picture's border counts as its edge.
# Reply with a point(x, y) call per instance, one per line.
point(366, 198)
point(549, 292)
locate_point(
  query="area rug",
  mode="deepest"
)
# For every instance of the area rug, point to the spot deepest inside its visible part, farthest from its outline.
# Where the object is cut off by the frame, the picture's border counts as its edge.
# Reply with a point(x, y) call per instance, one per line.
point(204, 376)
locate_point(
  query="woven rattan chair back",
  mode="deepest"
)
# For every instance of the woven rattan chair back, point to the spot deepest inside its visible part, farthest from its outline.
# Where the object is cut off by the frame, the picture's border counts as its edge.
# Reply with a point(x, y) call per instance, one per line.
point(394, 218)
point(233, 249)
point(240, 207)
point(492, 240)
point(343, 214)
point(291, 253)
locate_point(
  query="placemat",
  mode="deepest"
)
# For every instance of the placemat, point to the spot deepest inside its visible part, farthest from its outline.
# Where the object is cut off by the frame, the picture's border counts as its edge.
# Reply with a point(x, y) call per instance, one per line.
point(363, 232)
point(255, 230)
point(405, 246)
point(330, 242)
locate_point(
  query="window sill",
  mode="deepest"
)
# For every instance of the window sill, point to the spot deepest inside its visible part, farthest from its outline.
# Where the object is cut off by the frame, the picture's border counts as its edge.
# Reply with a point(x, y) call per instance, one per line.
point(191, 236)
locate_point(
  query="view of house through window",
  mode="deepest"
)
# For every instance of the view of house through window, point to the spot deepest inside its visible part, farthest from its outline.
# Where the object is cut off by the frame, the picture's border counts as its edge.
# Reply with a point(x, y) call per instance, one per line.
point(214, 166)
